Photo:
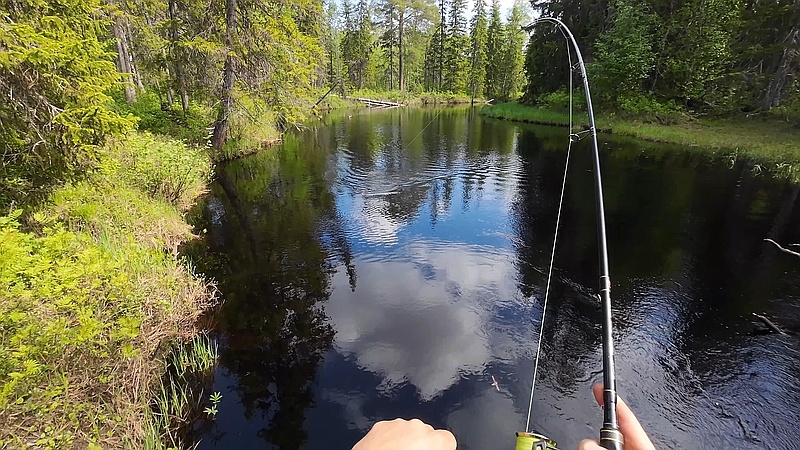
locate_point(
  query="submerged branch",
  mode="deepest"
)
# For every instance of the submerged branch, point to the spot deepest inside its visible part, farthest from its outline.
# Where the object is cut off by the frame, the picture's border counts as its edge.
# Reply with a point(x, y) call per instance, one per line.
point(783, 249)
point(770, 324)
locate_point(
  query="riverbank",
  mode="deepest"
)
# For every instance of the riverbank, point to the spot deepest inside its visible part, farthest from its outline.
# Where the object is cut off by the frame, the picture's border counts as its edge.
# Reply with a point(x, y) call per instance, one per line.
point(416, 98)
point(98, 308)
point(770, 145)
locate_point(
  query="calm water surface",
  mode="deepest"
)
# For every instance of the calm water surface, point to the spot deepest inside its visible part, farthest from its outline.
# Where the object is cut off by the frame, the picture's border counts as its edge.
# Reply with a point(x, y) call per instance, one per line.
point(374, 269)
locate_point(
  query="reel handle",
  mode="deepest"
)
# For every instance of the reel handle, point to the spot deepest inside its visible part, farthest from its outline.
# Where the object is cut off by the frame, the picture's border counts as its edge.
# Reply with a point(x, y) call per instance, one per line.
point(611, 439)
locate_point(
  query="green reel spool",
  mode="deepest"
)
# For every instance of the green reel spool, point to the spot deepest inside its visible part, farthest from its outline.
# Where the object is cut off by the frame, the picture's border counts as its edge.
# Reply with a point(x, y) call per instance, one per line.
point(533, 441)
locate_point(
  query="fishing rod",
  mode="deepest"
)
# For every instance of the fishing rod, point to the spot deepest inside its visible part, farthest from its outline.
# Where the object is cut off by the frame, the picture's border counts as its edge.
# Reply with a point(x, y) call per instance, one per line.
point(610, 436)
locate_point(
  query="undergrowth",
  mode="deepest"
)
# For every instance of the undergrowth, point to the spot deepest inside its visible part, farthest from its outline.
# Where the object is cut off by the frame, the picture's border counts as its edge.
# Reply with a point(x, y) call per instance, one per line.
point(94, 297)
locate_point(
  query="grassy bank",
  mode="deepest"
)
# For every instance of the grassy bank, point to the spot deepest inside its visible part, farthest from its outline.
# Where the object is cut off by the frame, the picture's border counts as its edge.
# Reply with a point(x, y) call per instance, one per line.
point(96, 304)
point(772, 145)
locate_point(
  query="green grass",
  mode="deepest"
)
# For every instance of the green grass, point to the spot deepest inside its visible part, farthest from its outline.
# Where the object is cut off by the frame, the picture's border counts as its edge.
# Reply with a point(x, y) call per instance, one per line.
point(772, 145)
point(94, 297)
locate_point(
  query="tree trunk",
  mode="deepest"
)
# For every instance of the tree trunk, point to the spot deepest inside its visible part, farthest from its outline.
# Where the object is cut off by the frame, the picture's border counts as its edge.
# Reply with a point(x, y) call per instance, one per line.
point(123, 57)
point(400, 26)
point(789, 58)
point(441, 48)
point(391, 50)
point(136, 75)
point(782, 78)
point(177, 57)
point(226, 101)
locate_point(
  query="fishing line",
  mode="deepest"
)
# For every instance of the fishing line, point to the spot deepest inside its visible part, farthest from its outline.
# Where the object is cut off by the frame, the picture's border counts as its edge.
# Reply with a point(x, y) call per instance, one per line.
point(407, 146)
point(572, 138)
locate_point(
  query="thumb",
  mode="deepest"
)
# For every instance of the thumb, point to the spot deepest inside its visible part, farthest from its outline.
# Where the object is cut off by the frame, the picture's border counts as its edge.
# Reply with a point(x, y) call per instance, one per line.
point(588, 444)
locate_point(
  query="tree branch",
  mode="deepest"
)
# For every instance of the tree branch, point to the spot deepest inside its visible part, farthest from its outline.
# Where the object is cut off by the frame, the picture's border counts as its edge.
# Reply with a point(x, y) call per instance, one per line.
point(769, 324)
point(784, 250)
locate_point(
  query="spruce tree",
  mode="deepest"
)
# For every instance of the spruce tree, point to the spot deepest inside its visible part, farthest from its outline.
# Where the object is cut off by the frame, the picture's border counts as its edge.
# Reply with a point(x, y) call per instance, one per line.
point(477, 49)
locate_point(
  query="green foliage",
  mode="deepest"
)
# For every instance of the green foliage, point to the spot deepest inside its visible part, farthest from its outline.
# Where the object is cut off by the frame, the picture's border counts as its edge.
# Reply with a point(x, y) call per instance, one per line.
point(559, 100)
point(770, 144)
point(647, 109)
point(718, 57)
point(624, 55)
point(253, 126)
point(161, 167)
point(508, 80)
point(175, 405)
point(54, 73)
point(477, 49)
point(456, 62)
point(91, 296)
point(494, 50)
point(527, 114)
point(156, 116)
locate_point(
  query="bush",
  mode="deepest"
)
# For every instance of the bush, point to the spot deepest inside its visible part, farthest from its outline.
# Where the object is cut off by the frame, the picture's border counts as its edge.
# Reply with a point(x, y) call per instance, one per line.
point(648, 109)
point(789, 112)
point(559, 100)
point(156, 117)
point(163, 168)
point(92, 301)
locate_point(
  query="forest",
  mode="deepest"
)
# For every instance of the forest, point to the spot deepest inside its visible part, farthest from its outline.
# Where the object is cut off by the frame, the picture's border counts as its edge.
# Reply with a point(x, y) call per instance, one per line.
point(74, 72)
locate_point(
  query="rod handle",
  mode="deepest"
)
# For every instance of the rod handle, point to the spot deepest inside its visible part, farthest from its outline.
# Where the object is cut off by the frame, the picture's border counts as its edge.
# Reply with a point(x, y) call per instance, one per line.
point(611, 439)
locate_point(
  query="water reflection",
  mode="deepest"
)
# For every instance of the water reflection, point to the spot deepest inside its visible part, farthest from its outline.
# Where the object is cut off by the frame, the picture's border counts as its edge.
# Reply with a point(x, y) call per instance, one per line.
point(389, 264)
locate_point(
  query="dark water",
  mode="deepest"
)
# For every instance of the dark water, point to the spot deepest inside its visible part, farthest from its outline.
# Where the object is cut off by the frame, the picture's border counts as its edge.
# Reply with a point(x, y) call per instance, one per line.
point(372, 269)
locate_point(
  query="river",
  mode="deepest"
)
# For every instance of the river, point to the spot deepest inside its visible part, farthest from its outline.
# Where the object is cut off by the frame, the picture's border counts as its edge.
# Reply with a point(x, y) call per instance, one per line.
point(388, 264)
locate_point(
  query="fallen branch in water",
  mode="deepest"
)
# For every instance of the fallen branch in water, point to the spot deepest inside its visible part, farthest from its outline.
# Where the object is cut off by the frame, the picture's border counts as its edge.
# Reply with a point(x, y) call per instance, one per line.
point(770, 325)
point(783, 249)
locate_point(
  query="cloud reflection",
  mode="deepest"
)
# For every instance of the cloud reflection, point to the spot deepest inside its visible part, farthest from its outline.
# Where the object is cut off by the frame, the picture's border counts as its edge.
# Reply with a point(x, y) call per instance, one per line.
point(422, 319)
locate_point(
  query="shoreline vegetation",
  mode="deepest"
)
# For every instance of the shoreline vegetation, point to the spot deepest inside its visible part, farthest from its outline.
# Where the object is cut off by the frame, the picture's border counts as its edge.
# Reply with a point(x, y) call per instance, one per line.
point(768, 144)
point(98, 315)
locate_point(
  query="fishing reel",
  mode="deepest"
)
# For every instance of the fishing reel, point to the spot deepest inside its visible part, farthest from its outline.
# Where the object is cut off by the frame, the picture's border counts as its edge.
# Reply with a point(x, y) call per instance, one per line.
point(533, 441)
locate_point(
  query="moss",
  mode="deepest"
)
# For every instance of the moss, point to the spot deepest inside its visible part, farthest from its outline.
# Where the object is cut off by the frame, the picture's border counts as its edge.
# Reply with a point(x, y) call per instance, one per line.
point(95, 297)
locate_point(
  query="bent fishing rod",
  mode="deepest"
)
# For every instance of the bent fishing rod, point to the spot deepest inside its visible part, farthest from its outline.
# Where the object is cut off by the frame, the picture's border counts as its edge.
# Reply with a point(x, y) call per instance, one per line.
point(610, 436)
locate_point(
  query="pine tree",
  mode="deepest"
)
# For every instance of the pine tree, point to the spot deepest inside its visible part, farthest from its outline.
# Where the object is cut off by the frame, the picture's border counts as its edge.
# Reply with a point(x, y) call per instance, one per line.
point(357, 42)
point(477, 49)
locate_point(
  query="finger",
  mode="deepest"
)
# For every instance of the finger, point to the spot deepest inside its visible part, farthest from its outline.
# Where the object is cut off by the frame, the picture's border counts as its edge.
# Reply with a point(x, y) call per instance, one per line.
point(447, 439)
point(629, 425)
point(588, 444)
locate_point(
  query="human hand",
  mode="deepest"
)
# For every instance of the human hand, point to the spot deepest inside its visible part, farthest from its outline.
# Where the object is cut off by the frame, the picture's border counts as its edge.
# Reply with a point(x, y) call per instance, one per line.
point(633, 433)
point(399, 434)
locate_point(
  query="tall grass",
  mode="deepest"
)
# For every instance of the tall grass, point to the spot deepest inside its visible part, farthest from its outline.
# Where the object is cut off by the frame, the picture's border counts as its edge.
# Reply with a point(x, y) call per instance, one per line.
point(178, 399)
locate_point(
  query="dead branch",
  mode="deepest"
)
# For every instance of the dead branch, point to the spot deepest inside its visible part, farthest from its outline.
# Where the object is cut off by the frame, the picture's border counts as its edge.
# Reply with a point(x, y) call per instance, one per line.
point(783, 249)
point(770, 324)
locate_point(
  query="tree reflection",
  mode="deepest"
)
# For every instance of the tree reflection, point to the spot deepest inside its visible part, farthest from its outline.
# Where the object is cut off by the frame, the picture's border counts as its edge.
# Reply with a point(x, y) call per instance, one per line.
point(279, 234)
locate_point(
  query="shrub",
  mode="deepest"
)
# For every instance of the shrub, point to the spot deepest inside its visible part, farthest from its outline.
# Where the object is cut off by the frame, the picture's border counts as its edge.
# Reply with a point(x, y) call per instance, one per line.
point(559, 100)
point(648, 109)
point(162, 167)
point(156, 117)
point(92, 301)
